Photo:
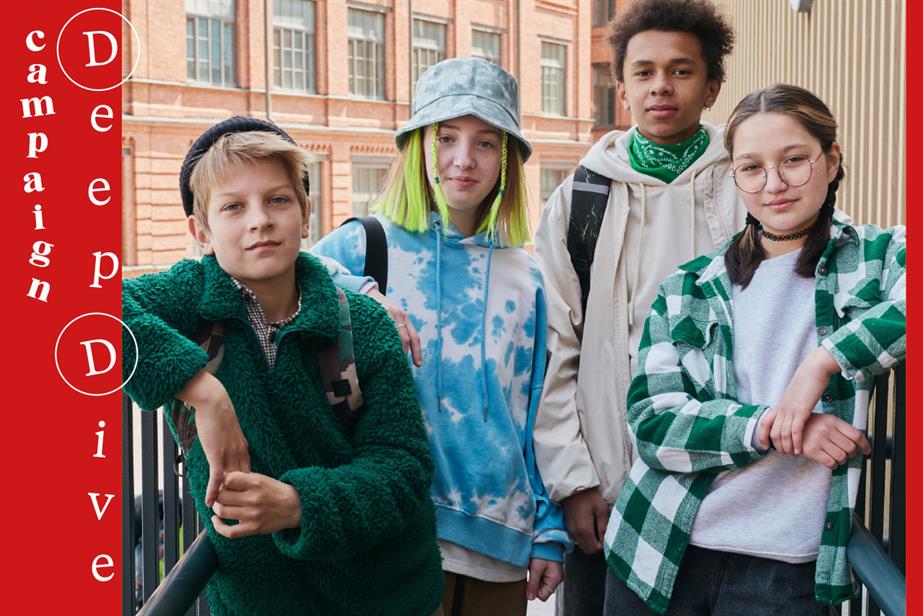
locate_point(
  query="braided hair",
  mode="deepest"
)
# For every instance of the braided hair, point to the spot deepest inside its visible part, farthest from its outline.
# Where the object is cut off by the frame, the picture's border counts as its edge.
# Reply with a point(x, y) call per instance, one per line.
point(746, 252)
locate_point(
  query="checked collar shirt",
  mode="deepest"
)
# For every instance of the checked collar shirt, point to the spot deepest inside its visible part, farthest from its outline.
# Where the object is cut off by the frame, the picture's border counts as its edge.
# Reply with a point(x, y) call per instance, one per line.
point(687, 426)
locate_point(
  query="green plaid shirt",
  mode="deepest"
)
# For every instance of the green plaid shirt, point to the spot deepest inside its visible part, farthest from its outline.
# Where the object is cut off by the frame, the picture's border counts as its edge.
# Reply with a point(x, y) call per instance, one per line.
point(687, 426)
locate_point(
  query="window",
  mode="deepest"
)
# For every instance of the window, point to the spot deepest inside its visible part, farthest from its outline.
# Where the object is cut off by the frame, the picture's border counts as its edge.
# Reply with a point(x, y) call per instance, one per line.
point(603, 97)
point(366, 32)
point(428, 46)
point(293, 45)
point(486, 45)
point(315, 226)
point(210, 47)
point(551, 178)
point(553, 56)
point(603, 12)
point(368, 180)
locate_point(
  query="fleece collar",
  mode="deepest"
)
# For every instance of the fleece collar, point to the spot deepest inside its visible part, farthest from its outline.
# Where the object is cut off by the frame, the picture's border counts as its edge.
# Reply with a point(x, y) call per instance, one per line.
point(320, 311)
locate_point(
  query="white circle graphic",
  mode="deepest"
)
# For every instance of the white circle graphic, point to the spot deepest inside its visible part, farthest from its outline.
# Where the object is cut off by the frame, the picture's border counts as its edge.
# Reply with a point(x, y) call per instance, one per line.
point(58, 342)
point(57, 50)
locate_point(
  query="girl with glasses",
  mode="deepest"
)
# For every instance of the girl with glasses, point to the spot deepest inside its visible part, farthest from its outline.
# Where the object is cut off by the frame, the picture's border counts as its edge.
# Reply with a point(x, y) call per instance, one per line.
point(750, 402)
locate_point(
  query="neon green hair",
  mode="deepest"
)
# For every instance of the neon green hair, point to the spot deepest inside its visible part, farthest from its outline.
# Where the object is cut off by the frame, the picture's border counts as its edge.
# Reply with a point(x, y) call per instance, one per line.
point(407, 199)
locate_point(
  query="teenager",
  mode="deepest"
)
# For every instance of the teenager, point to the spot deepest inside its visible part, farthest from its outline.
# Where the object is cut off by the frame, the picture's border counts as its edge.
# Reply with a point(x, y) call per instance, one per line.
point(751, 396)
point(670, 198)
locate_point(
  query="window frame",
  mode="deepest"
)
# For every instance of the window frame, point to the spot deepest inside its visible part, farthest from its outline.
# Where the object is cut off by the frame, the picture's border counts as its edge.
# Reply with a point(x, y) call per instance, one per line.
point(307, 33)
point(420, 46)
point(358, 166)
point(372, 58)
point(549, 67)
point(610, 95)
point(205, 17)
point(491, 33)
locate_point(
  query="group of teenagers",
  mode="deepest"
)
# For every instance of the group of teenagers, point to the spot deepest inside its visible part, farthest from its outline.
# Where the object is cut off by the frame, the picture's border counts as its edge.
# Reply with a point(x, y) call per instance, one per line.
point(677, 430)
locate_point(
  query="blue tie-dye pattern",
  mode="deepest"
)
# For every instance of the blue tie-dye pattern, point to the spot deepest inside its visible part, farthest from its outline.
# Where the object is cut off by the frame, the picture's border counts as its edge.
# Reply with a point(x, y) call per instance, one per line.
point(499, 329)
point(487, 490)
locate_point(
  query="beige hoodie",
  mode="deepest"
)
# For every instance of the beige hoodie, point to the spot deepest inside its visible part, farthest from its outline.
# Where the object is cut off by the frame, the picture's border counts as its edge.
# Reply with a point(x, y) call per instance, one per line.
point(649, 229)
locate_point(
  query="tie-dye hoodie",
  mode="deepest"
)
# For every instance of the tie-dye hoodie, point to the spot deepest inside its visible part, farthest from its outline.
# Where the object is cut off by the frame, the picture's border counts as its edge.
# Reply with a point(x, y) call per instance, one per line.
point(480, 312)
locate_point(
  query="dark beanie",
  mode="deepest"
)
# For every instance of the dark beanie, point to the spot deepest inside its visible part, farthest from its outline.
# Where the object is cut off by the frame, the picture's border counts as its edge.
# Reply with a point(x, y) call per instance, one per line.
point(237, 124)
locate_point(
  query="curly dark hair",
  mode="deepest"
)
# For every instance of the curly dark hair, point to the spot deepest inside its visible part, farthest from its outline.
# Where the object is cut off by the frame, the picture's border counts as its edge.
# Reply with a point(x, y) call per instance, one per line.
point(698, 17)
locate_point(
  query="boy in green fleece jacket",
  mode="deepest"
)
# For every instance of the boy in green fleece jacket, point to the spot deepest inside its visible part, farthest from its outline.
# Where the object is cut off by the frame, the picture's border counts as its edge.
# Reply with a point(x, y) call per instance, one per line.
point(307, 516)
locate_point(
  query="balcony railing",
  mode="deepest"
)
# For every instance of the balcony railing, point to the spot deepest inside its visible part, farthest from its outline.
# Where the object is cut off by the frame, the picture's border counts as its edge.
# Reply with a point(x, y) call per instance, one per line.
point(165, 522)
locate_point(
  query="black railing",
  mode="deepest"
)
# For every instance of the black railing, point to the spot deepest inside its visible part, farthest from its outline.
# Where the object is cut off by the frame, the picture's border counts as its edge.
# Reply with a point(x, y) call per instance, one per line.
point(167, 519)
point(878, 555)
point(161, 521)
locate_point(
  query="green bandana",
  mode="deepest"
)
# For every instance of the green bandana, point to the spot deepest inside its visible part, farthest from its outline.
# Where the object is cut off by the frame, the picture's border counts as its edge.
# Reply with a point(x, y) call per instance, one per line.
point(665, 162)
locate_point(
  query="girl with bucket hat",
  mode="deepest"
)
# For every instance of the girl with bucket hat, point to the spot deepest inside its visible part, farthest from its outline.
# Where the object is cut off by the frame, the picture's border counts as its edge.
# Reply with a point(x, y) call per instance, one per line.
point(454, 216)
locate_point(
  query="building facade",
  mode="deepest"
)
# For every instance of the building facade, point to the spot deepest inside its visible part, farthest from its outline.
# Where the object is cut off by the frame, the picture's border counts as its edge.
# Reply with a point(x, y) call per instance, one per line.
point(850, 53)
point(338, 75)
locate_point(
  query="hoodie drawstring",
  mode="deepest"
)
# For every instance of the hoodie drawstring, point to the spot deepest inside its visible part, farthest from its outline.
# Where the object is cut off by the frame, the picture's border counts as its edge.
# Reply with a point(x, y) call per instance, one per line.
point(634, 283)
point(438, 227)
point(692, 215)
point(490, 254)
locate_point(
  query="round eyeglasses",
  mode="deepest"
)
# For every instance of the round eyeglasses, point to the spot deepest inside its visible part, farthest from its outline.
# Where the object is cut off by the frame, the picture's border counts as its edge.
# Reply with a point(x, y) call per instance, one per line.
point(794, 171)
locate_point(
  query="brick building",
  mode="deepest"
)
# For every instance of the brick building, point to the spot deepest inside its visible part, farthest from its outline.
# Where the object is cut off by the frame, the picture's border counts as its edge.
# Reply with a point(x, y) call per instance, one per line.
point(341, 81)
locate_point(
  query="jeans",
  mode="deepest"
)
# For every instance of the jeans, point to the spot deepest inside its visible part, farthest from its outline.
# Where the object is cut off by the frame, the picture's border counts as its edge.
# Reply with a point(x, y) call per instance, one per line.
point(725, 584)
point(584, 589)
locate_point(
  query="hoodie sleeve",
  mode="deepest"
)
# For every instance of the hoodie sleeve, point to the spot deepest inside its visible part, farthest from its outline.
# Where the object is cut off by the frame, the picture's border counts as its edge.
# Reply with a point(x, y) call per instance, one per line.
point(560, 450)
point(343, 252)
point(344, 279)
point(549, 537)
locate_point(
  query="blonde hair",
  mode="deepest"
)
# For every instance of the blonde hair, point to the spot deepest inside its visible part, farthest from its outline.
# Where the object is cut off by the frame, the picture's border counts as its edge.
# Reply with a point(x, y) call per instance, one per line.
point(248, 147)
point(407, 199)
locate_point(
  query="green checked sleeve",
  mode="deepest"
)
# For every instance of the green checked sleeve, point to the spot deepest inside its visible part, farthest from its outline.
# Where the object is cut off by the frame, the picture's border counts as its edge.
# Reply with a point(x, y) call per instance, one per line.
point(876, 340)
point(678, 414)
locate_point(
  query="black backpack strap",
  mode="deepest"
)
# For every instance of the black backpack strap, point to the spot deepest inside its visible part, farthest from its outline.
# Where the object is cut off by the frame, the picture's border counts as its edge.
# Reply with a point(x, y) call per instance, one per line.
point(589, 197)
point(376, 250)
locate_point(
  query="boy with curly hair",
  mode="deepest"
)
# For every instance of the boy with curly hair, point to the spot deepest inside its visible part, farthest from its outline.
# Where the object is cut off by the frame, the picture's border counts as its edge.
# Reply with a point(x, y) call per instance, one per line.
point(670, 198)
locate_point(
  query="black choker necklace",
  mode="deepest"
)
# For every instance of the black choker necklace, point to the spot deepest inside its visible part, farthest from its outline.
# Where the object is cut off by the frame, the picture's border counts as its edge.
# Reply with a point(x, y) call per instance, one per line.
point(788, 236)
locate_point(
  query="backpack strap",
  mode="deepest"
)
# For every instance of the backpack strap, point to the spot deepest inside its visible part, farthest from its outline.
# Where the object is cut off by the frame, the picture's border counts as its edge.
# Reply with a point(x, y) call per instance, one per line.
point(209, 336)
point(338, 371)
point(376, 250)
point(589, 197)
point(337, 367)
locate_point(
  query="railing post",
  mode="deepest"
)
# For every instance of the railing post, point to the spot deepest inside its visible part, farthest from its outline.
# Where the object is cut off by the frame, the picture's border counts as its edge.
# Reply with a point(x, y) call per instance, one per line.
point(171, 501)
point(897, 545)
point(150, 524)
point(128, 510)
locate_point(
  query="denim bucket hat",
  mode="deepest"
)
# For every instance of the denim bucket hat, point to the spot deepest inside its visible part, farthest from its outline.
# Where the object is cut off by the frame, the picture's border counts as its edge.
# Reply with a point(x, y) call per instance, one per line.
point(467, 86)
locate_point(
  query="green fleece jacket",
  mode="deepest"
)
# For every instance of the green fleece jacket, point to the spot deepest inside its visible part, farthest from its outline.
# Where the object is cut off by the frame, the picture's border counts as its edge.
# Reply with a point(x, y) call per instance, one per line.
point(366, 544)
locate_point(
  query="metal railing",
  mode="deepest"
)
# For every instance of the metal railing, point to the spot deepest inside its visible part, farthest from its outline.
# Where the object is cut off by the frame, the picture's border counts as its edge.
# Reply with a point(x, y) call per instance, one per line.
point(166, 519)
point(877, 549)
point(161, 521)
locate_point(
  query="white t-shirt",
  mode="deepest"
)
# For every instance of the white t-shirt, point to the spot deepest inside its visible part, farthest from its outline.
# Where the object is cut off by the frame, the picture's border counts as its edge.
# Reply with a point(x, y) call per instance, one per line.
point(774, 507)
point(461, 560)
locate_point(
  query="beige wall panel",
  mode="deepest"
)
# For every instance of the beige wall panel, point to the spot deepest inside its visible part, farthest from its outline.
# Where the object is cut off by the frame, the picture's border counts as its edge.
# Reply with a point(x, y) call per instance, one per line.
point(851, 54)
